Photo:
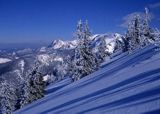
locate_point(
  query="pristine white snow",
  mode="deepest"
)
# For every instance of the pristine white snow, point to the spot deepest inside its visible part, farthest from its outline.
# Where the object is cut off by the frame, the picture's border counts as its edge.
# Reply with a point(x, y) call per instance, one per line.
point(109, 39)
point(44, 58)
point(128, 84)
point(57, 44)
point(4, 60)
point(19, 74)
point(42, 49)
point(46, 77)
point(55, 86)
point(110, 47)
point(22, 64)
point(58, 59)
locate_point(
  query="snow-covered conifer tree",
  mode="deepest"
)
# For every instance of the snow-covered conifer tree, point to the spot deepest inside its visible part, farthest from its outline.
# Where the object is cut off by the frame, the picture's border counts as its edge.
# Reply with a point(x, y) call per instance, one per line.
point(119, 45)
point(85, 62)
point(33, 88)
point(68, 65)
point(51, 79)
point(76, 71)
point(133, 35)
point(146, 32)
point(8, 98)
point(139, 33)
point(89, 56)
point(157, 37)
point(102, 50)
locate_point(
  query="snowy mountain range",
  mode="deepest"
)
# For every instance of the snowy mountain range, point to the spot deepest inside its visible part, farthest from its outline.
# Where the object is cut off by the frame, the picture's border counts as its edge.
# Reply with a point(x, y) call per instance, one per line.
point(59, 44)
point(55, 53)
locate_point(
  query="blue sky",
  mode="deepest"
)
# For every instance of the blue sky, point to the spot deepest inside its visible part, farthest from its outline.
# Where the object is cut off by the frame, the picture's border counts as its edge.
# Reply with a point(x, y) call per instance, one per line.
point(42, 21)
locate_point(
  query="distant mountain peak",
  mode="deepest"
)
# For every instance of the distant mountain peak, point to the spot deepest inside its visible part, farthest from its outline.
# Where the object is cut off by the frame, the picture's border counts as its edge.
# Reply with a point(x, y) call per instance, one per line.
point(59, 44)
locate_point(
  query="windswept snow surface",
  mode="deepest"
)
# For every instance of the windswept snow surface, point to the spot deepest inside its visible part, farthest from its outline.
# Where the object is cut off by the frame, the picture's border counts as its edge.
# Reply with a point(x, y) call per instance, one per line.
point(129, 84)
point(55, 86)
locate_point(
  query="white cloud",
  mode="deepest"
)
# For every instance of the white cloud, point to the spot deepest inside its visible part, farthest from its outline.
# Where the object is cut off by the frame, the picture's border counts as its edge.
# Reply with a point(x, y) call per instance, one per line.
point(155, 5)
point(128, 18)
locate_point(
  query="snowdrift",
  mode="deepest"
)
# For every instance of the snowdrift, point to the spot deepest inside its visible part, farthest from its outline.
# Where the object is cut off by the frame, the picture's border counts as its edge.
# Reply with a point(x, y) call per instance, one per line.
point(128, 84)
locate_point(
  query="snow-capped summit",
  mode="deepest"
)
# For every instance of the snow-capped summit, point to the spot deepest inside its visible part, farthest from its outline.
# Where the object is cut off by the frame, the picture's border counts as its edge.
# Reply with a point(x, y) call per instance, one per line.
point(59, 44)
point(42, 49)
point(109, 37)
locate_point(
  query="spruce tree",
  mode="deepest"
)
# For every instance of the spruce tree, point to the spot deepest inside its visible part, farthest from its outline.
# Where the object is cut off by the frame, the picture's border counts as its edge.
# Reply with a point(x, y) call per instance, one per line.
point(133, 35)
point(119, 45)
point(85, 62)
point(8, 98)
point(146, 31)
point(157, 37)
point(33, 88)
point(139, 33)
point(102, 50)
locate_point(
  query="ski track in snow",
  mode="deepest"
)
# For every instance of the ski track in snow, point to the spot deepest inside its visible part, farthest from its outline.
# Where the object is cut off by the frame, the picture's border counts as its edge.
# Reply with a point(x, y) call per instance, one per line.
point(129, 84)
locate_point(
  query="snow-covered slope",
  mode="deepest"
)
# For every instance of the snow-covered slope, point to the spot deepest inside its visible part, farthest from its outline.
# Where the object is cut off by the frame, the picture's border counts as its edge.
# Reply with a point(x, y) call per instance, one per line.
point(129, 84)
point(55, 86)
point(4, 60)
